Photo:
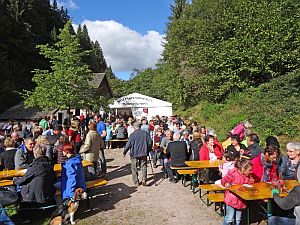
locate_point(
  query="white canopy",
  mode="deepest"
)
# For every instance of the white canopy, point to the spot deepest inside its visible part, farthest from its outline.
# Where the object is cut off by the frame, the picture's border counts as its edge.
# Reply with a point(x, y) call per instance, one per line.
point(141, 105)
point(137, 100)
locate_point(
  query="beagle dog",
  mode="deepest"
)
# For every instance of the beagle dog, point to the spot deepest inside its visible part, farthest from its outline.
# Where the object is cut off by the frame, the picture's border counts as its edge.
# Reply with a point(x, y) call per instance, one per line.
point(67, 208)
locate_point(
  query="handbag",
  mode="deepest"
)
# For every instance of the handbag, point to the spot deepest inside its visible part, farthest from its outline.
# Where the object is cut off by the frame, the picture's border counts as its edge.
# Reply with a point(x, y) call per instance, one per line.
point(8, 196)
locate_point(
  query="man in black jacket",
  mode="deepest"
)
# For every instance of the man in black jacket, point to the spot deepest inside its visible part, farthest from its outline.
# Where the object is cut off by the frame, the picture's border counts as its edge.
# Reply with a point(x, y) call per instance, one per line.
point(176, 154)
point(139, 143)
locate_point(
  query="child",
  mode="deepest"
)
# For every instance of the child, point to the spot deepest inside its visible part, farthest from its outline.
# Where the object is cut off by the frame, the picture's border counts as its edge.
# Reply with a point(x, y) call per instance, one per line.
point(234, 205)
point(227, 164)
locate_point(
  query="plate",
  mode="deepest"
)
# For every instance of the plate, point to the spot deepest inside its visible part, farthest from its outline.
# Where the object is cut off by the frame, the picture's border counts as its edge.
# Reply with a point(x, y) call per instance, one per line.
point(248, 185)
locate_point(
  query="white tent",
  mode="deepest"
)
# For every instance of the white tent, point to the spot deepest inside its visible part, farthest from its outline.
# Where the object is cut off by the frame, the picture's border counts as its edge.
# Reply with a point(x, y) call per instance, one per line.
point(141, 105)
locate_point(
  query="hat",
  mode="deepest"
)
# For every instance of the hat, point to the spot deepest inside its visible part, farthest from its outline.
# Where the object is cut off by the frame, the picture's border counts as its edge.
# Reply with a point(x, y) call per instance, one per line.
point(185, 132)
point(136, 125)
point(212, 132)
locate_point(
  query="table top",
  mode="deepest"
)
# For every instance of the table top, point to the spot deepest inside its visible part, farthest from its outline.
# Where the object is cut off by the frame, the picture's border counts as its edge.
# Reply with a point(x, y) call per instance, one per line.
point(18, 173)
point(259, 191)
point(202, 164)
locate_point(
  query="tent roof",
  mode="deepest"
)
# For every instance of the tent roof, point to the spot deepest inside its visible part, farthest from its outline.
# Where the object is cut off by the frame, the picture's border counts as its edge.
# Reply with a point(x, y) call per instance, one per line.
point(138, 100)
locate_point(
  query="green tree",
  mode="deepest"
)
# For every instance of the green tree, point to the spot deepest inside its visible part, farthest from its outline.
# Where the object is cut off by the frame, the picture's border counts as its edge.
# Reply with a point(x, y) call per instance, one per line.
point(67, 85)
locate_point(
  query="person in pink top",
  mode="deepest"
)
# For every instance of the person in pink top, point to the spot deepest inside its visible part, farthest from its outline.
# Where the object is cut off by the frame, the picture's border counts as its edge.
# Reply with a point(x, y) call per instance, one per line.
point(234, 205)
point(241, 129)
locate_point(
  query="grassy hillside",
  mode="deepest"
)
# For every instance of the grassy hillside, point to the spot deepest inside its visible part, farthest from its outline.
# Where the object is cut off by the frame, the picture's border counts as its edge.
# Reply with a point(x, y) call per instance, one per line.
point(273, 108)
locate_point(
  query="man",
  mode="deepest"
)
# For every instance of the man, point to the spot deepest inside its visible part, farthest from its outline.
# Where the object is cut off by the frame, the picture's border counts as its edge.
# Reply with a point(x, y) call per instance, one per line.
point(101, 129)
point(24, 155)
point(53, 134)
point(53, 121)
point(139, 143)
point(17, 139)
point(44, 123)
point(253, 145)
point(176, 155)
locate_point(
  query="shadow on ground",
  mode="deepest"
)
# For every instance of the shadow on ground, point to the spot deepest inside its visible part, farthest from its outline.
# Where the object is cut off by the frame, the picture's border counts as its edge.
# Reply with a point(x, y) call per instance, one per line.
point(104, 199)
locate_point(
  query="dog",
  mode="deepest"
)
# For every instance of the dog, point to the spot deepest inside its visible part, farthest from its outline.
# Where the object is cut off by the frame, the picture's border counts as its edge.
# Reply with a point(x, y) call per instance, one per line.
point(67, 209)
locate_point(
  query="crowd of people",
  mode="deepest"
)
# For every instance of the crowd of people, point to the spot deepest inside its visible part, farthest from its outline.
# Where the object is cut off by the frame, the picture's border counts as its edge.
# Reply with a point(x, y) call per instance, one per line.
point(170, 141)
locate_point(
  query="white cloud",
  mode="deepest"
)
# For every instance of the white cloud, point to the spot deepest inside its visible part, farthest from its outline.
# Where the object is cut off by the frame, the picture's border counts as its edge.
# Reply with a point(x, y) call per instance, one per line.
point(123, 48)
point(70, 4)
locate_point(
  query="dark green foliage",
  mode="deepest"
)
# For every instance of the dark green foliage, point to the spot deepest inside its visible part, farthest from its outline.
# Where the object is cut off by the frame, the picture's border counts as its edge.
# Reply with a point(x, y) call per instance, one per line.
point(24, 24)
point(273, 108)
point(66, 85)
point(226, 46)
point(95, 58)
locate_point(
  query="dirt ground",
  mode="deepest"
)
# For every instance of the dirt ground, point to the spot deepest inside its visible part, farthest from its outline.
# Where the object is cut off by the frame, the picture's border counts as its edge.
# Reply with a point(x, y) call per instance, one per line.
point(122, 203)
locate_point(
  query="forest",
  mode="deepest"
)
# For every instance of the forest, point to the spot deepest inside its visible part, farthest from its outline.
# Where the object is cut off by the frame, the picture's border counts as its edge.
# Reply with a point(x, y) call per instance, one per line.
point(27, 24)
point(223, 61)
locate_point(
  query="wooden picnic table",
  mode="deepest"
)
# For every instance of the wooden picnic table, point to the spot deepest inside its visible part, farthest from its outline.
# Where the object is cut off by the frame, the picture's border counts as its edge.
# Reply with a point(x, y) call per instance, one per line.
point(203, 164)
point(260, 191)
point(4, 183)
point(117, 140)
point(8, 174)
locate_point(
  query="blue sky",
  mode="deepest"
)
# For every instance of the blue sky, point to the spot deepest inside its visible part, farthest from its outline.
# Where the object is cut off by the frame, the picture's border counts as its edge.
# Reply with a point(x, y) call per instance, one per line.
point(129, 32)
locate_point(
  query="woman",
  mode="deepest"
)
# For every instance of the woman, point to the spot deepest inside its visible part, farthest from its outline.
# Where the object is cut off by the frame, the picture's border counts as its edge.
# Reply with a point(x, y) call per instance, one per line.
point(74, 136)
point(196, 145)
point(290, 164)
point(72, 175)
point(39, 175)
point(90, 149)
point(210, 150)
point(242, 128)
point(57, 149)
point(7, 158)
point(236, 148)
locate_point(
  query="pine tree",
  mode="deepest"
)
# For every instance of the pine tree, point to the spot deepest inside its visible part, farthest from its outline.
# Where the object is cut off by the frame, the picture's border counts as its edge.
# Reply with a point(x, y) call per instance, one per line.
point(67, 84)
point(99, 57)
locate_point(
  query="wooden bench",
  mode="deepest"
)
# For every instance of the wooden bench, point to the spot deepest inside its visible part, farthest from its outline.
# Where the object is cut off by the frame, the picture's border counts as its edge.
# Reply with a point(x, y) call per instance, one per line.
point(192, 173)
point(209, 188)
point(89, 186)
point(218, 199)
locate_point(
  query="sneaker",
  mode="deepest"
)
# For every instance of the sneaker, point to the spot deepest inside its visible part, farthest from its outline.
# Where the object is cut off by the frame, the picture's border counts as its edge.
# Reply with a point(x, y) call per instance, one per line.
point(144, 183)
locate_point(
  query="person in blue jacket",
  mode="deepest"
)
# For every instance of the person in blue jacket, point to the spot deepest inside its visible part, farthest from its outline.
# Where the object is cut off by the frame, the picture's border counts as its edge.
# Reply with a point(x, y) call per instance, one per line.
point(72, 176)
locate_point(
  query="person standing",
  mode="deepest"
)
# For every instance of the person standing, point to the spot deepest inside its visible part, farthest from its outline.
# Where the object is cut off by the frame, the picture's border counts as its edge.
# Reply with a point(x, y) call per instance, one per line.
point(90, 149)
point(139, 143)
point(101, 129)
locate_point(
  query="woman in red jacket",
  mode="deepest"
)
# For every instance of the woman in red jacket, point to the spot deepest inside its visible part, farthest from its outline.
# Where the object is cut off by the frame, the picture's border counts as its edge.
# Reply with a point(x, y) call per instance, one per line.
point(264, 165)
point(211, 150)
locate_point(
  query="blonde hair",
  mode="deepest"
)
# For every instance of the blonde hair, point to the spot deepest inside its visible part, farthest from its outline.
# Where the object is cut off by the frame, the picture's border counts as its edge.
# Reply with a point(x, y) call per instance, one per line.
point(42, 139)
point(39, 150)
point(9, 142)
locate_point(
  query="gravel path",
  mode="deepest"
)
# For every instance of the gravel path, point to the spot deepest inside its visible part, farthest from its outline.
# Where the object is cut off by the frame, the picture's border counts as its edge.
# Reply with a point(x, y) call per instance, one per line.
point(122, 203)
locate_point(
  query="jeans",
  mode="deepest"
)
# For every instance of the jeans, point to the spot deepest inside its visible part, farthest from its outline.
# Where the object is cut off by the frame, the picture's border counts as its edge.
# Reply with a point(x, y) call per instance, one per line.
point(4, 219)
point(169, 171)
point(277, 220)
point(155, 156)
point(102, 161)
point(230, 212)
point(134, 171)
